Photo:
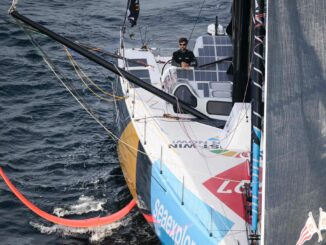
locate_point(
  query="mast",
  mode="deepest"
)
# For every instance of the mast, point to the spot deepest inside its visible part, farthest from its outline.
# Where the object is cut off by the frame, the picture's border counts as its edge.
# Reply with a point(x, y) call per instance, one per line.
point(257, 106)
point(240, 30)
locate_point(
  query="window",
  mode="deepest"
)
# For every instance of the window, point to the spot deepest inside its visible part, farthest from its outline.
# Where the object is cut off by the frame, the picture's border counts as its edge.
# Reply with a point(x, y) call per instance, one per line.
point(183, 93)
point(137, 62)
point(141, 74)
point(219, 108)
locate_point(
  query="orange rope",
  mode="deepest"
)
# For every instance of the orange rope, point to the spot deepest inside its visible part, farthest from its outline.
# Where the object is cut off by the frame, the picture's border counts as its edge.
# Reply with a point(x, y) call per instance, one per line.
point(85, 223)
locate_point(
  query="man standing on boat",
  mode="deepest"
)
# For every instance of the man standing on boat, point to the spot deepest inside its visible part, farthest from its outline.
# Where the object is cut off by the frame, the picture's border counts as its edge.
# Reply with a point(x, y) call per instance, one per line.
point(183, 57)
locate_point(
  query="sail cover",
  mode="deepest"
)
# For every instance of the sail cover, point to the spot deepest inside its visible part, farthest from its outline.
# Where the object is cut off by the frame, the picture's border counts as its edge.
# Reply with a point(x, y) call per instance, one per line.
point(295, 173)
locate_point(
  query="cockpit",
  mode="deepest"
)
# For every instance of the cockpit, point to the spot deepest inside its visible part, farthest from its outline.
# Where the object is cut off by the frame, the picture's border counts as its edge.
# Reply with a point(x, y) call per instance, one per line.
point(208, 87)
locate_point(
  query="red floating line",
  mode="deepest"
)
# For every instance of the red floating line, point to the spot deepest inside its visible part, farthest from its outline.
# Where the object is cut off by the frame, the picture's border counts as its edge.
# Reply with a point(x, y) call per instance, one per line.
point(85, 223)
point(149, 218)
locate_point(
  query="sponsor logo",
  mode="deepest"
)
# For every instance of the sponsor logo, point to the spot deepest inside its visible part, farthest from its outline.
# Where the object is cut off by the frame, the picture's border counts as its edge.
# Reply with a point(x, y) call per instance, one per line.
point(227, 186)
point(174, 230)
point(210, 144)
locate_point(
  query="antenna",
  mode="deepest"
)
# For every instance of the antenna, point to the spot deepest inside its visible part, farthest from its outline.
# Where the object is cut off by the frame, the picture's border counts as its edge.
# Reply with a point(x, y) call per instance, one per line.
point(216, 25)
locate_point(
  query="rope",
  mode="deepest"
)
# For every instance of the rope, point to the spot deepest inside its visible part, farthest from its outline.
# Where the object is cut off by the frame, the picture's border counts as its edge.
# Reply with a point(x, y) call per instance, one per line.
point(206, 164)
point(77, 97)
point(83, 104)
point(84, 223)
point(79, 70)
point(58, 74)
point(201, 8)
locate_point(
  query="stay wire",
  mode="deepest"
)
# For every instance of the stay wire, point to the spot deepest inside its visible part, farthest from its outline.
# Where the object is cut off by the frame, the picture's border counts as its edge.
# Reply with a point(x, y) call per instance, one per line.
point(184, 129)
point(60, 76)
point(70, 87)
point(201, 8)
point(83, 76)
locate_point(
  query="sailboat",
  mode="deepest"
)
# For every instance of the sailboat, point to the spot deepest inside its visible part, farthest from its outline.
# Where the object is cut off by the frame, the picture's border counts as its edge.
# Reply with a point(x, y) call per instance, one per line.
point(189, 139)
point(188, 171)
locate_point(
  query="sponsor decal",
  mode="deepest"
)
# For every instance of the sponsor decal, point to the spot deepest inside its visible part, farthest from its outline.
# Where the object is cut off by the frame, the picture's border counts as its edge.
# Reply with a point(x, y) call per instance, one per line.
point(227, 186)
point(184, 224)
point(212, 144)
point(209, 144)
point(175, 231)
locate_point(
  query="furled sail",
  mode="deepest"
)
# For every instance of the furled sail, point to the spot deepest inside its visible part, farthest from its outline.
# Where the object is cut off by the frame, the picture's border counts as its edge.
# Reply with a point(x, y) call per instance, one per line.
point(295, 173)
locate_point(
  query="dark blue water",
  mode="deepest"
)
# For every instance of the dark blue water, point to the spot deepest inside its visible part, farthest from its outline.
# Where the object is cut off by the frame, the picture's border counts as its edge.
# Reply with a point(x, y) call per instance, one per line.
point(51, 149)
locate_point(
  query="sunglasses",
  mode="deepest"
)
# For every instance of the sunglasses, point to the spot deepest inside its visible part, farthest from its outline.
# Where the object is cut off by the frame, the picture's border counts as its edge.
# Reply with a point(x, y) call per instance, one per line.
point(182, 44)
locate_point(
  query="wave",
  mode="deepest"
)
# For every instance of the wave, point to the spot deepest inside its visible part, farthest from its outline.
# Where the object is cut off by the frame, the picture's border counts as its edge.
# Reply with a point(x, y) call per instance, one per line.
point(94, 235)
point(84, 205)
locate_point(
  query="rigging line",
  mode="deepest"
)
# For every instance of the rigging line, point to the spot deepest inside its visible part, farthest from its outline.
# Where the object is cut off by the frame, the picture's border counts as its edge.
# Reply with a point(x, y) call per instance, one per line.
point(149, 87)
point(200, 173)
point(141, 36)
point(77, 97)
point(184, 129)
point(240, 118)
point(109, 81)
point(110, 54)
point(83, 104)
point(156, 123)
point(96, 49)
point(191, 140)
point(117, 138)
point(201, 8)
point(77, 67)
point(237, 125)
point(25, 26)
point(91, 113)
point(206, 164)
point(57, 73)
point(230, 132)
point(83, 75)
point(89, 88)
point(189, 137)
point(184, 168)
point(89, 47)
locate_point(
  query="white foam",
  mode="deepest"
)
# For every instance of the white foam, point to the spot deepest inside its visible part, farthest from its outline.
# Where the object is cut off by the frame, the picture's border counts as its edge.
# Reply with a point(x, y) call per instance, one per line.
point(96, 234)
point(84, 205)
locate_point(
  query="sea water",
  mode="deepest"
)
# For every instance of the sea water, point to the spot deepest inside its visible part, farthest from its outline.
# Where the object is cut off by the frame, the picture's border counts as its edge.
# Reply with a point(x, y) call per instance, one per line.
point(50, 148)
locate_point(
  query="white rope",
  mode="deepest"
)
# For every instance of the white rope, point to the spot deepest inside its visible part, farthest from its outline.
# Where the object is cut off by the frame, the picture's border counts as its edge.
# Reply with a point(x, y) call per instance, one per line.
point(116, 138)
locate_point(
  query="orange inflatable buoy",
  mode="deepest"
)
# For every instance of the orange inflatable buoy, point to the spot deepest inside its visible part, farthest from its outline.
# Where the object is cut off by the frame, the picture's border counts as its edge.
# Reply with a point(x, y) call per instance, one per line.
point(85, 223)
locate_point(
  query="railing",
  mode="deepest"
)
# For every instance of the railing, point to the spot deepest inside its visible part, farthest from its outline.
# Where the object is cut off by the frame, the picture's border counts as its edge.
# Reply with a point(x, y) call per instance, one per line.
point(170, 78)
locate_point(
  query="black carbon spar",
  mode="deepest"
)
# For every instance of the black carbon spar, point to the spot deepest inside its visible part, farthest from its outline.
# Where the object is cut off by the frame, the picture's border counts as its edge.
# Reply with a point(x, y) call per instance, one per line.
point(118, 71)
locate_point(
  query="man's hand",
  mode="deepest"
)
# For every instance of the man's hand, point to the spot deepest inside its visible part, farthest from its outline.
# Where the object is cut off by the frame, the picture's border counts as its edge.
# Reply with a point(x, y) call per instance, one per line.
point(184, 65)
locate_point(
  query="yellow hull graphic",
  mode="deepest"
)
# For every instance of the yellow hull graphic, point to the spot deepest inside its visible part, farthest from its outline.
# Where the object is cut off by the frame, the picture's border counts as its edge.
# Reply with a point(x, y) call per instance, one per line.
point(127, 151)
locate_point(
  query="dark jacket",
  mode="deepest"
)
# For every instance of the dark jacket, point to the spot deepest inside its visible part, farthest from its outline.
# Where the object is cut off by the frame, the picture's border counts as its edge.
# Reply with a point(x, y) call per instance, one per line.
point(186, 56)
